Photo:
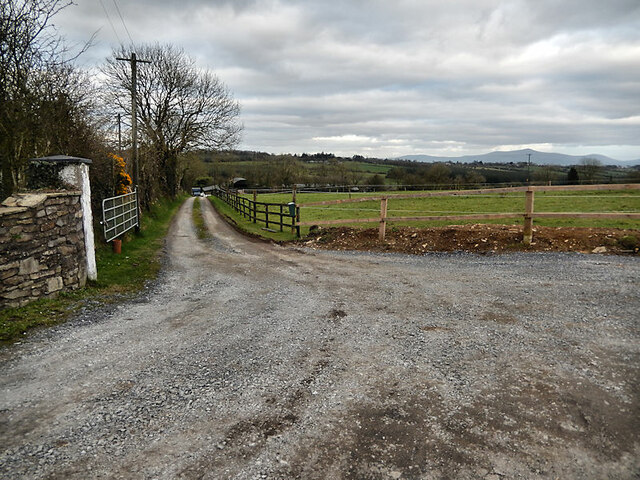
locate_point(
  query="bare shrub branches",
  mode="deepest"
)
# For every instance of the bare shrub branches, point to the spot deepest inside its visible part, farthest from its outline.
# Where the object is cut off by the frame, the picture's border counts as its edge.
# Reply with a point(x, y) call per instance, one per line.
point(44, 101)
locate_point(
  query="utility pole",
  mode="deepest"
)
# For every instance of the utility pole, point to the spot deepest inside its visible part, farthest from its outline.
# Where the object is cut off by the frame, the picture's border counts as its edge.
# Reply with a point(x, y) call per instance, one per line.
point(119, 135)
point(134, 117)
point(529, 169)
point(113, 160)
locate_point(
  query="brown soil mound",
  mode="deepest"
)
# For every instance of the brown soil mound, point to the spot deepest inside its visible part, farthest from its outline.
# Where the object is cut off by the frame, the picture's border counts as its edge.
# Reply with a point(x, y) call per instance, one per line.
point(479, 238)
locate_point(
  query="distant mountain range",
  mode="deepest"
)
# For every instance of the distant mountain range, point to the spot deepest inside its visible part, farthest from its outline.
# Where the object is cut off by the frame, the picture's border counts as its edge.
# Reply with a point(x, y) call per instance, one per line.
point(516, 156)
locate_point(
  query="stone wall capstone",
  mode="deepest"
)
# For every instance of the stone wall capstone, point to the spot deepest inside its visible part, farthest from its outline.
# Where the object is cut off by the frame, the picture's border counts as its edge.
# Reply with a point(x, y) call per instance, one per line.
point(42, 250)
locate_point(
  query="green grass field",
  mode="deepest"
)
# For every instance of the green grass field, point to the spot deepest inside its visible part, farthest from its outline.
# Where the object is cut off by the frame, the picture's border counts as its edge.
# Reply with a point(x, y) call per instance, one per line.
point(370, 167)
point(581, 201)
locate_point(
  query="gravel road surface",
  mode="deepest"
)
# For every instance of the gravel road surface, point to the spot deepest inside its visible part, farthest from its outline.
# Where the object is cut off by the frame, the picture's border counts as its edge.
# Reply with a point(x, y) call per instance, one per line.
point(248, 360)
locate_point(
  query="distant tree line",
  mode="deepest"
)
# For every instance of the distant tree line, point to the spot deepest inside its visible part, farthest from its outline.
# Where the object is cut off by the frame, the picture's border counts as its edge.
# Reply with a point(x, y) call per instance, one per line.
point(262, 169)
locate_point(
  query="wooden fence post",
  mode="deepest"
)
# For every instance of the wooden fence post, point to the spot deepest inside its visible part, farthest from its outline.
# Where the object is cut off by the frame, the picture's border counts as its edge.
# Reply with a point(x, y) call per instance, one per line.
point(266, 215)
point(293, 219)
point(255, 206)
point(383, 219)
point(527, 234)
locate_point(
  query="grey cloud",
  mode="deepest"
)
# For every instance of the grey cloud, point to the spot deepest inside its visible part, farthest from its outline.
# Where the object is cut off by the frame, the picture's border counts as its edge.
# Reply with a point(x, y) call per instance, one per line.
point(402, 76)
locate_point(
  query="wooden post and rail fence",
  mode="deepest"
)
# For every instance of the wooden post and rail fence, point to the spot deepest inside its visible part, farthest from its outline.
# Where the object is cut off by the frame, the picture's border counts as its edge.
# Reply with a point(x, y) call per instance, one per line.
point(288, 215)
point(529, 213)
point(275, 214)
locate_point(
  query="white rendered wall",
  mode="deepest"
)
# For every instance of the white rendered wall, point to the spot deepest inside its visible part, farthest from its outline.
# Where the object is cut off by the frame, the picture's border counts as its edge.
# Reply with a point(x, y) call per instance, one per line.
point(77, 174)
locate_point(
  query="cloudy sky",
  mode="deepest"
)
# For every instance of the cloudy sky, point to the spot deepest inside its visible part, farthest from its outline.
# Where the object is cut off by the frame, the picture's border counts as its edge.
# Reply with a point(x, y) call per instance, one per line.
point(395, 77)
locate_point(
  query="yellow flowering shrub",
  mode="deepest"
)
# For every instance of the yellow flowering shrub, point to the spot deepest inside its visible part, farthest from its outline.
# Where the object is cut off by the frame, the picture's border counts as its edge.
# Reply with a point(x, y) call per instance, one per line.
point(122, 178)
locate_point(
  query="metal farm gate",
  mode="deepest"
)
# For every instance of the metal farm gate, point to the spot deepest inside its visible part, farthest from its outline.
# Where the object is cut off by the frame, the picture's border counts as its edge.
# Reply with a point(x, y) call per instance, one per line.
point(120, 214)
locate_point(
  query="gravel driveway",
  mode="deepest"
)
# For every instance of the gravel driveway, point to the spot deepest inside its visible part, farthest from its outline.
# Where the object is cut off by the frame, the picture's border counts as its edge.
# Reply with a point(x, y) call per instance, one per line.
point(247, 360)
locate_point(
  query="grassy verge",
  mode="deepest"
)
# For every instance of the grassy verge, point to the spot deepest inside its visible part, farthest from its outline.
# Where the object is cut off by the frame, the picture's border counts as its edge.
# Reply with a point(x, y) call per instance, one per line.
point(117, 275)
point(198, 220)
point(247, 226)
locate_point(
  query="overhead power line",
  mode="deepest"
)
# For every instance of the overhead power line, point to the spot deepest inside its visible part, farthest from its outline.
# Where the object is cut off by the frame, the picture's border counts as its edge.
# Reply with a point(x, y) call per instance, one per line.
point(111, 23)
point(122, 20)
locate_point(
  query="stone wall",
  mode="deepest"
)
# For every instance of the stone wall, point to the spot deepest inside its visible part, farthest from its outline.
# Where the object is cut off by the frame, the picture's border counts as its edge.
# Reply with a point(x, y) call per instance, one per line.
point(42, 247)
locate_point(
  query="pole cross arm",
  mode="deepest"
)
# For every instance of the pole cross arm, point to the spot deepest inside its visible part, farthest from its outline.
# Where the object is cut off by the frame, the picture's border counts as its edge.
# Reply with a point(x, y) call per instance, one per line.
point(134, 59)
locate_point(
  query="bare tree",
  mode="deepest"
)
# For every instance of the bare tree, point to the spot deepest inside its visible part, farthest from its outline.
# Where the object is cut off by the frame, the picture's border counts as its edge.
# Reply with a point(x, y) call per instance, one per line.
point(545, 174)
point(43, 103)
point(179, 108)
point(589, 168)
point(438, 173)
